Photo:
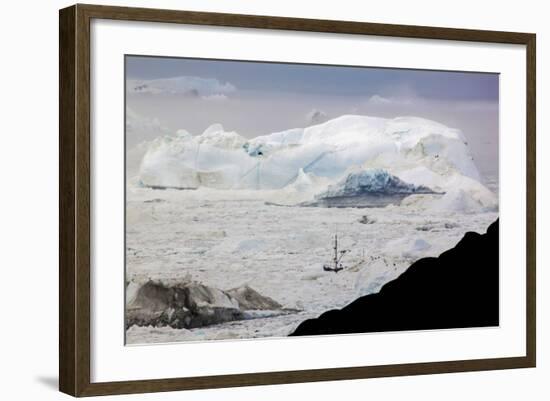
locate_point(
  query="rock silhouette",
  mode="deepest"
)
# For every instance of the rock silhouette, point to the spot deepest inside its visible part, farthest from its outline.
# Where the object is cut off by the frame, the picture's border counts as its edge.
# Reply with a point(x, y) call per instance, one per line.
point(458, 289)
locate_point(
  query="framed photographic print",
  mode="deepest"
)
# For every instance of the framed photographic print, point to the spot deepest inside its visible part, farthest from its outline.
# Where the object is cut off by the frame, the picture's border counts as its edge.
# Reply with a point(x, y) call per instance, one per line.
point(250, 200)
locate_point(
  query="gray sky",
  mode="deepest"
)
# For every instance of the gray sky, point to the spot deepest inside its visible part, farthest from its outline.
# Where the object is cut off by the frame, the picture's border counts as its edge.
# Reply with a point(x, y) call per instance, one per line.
point(257, 98)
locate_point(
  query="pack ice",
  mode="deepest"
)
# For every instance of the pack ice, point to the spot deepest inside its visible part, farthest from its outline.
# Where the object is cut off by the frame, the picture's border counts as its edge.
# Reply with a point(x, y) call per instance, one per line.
point(326, 158)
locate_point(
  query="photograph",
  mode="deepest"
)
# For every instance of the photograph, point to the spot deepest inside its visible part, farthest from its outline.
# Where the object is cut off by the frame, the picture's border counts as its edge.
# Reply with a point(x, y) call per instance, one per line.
point(268, 199)
point(274, 201)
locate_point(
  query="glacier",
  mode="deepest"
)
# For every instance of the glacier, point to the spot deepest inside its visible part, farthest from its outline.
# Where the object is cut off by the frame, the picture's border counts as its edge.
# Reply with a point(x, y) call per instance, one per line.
point(305, 163)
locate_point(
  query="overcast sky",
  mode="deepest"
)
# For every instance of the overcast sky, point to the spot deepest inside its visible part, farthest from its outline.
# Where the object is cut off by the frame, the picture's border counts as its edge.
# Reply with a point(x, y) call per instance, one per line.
point(257, 98)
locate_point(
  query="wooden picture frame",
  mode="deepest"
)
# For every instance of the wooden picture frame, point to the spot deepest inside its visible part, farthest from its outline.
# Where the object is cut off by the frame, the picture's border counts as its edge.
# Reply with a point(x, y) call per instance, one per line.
point(75, 198)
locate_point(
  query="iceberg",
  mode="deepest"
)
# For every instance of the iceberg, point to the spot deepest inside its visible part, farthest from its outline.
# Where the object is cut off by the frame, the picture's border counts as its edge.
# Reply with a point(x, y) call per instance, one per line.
point(183, 85)
point(372, 182)
point(349, 153)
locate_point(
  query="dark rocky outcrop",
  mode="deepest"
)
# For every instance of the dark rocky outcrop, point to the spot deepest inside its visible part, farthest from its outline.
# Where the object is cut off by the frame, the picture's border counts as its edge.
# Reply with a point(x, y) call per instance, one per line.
point(458, 289)
point(189, 305)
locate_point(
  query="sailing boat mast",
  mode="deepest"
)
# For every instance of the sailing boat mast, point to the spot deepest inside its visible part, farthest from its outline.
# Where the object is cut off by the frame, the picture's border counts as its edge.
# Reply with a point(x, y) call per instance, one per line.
point(336, 250)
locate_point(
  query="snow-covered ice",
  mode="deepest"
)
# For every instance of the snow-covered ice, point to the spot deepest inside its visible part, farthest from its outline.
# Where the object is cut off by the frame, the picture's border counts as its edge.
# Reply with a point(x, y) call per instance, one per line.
point(417, 151)
point(226, 239)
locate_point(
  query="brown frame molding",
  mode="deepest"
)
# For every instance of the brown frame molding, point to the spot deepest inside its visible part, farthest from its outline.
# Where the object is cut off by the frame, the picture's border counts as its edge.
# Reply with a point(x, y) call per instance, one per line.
point(74, 199)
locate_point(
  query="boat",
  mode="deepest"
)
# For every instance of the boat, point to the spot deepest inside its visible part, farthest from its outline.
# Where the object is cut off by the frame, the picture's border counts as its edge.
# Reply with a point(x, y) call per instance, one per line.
point(336, 264)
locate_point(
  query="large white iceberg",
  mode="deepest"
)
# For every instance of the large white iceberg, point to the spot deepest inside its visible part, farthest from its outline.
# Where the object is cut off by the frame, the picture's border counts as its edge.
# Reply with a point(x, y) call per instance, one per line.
point(419, 152)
